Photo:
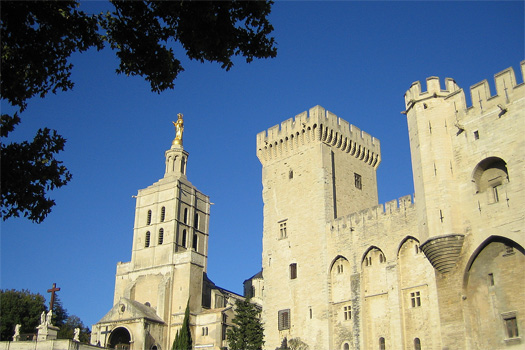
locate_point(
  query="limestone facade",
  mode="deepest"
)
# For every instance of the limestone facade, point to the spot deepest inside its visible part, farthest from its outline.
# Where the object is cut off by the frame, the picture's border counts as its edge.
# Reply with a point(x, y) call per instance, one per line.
point(167, 271)
point(441, 271)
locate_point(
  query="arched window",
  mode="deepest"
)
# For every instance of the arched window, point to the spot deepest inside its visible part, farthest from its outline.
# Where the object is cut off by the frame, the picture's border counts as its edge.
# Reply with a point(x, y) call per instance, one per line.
point(346, 346)
point(382, 345)
point(185, 215)
point(146, 241)
point(162, 214)
point(149, 218)
point(194, 245)
point(196, 221)
point(184, 238)
point(417, 344)
point(161, 236)
point(489, 175)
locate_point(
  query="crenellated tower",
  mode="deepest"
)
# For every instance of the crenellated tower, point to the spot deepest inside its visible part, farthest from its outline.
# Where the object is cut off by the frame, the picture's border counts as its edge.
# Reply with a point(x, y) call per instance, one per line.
point(316, 167)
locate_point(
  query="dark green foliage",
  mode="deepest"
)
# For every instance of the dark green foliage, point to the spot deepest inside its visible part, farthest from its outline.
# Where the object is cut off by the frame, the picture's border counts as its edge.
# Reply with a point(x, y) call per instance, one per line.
point(59, 313)
point(67, 330)
point(38, 38)
point(25, 308)
point(29, 172)
point(19, 307)
point(183, 339)
point(247, 334)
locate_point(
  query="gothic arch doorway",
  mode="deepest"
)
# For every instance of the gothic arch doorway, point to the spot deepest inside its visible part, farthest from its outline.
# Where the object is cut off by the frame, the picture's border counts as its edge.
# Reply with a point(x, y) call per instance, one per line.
point(119, 339)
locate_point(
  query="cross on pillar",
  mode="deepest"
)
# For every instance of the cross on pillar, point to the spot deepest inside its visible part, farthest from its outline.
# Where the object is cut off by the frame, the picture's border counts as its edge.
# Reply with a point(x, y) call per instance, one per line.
point(52, 291)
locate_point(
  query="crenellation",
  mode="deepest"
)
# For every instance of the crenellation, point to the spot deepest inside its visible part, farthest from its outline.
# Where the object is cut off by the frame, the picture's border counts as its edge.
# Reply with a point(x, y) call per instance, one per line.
point(317, 125)
point(412, 268)
point(379, 213)
point(482, 99)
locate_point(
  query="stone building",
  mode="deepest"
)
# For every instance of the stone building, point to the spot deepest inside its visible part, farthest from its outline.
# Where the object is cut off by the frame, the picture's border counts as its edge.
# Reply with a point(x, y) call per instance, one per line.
point(167, 270)
point(442, 271)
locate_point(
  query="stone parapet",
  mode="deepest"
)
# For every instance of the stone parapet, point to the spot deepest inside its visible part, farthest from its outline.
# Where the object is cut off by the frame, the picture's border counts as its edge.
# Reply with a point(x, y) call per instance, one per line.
point(317, 125)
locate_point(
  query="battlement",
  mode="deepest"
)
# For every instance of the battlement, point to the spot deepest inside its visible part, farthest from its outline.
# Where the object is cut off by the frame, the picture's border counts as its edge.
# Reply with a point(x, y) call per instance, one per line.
point(481, 97)
point(389, 211)
point(317, 125)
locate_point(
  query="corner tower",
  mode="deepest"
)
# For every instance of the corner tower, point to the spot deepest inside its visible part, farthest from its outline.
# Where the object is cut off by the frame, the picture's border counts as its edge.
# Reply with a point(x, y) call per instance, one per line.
point(316, 167)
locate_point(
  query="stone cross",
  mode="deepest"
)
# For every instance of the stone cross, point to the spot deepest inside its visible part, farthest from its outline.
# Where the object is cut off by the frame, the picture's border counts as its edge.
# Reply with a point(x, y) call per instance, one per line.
point(52, 291)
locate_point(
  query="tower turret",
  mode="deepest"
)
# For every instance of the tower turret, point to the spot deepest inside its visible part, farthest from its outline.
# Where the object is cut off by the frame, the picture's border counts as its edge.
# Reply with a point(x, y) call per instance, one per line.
point(432, 124)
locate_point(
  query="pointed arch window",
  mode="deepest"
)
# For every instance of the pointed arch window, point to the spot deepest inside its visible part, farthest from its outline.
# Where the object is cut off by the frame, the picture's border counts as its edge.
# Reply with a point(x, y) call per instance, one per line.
point(162, 214)
point(195, 242)
point(148, 221)
point(196, 221)
point(146, 240)
point(184, 238)
point(161, 236)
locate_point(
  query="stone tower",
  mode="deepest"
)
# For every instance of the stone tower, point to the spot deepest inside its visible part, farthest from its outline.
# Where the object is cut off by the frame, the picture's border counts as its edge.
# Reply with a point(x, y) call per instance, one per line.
point(168, 262)
point(316, 168)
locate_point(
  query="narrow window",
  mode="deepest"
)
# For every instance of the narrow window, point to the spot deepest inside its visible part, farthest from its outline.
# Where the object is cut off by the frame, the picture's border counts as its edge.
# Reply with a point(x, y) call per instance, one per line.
point(185, 215)
point(382, 345)
point(311, 313)
point(284, 319)
point(161, 236)
point(146, 241)
point(417, 344)
point(282, 230)
point(162, 214)
point(495, 194)
point(346, 346)
point(357, 180)
point(415, 298)
point(184, 238)
point(417, 249)
point(476, 135)
point(293, 271)
point(347, 312)
point(491, 279)
point(511, 324)
point(196, 221)
point(149, 218)
point(290, 174)
point(194, 245)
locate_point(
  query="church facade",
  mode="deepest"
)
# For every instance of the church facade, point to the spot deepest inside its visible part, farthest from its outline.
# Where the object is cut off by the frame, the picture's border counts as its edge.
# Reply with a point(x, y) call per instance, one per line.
point(167, 271)
point(442, 270)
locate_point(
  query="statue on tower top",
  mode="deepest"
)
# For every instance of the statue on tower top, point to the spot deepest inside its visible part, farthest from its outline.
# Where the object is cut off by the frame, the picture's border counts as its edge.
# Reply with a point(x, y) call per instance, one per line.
point(179, 129)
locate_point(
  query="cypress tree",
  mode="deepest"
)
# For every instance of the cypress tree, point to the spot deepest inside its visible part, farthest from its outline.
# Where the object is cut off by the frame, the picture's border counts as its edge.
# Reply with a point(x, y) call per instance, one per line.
point(183, 337)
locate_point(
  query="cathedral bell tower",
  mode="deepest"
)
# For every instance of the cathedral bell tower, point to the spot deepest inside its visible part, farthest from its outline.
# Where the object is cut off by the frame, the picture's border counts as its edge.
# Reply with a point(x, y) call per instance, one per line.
point(168, 261)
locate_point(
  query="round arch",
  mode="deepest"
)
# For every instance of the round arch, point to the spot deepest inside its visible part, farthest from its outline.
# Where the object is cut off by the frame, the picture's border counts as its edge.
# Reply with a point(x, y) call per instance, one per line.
point(119, 339)
point(488, 168)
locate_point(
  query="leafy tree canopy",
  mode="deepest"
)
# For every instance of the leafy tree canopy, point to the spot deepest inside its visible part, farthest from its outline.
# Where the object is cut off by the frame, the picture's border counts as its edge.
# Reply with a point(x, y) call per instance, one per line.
point(38, 37)
point(247, 333)
point(24, 308)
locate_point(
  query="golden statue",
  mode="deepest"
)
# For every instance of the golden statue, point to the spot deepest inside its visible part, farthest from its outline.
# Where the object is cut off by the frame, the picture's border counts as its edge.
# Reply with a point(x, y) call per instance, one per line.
point(179, 129)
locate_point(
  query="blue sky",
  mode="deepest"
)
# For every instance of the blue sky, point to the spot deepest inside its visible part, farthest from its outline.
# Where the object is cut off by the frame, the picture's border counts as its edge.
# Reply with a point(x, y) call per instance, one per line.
point(356, 59)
